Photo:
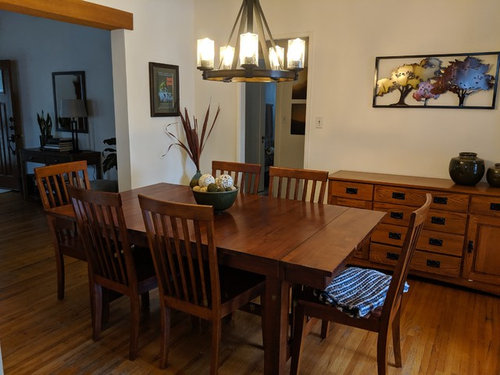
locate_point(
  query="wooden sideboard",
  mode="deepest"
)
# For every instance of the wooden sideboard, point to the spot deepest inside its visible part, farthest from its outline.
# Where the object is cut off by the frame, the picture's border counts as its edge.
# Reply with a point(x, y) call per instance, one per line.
point(460, 243)
point(37, 155)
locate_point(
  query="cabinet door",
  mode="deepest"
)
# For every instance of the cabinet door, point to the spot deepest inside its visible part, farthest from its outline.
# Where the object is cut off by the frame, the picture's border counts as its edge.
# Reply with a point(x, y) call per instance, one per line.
point(482, 259)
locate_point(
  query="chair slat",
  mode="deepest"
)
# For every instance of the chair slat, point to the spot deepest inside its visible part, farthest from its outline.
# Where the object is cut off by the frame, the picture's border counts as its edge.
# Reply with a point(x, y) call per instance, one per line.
point(303, 178)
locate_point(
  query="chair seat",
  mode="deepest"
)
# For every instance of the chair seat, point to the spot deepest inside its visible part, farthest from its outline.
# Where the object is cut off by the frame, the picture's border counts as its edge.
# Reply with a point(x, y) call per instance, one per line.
point(358, 292)
point(234, 282)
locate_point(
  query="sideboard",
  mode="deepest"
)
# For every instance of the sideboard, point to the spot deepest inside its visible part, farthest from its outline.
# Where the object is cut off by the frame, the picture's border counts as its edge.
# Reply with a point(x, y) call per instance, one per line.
point(460, 243)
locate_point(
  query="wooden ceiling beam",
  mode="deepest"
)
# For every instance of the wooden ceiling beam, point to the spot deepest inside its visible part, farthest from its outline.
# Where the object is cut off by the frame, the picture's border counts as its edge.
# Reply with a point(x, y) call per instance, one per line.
point(73, 11)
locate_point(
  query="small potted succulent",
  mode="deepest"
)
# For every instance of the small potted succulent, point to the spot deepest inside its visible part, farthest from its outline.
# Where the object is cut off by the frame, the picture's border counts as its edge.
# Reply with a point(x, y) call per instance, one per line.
point(45, 124)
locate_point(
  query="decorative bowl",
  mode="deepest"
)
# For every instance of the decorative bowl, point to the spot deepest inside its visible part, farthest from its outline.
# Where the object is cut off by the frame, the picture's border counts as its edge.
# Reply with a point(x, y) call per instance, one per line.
point(220, 200)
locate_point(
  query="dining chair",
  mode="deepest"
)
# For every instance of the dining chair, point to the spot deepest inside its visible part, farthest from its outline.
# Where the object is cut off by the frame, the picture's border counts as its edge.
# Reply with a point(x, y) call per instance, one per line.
point(298, 184)
point(52, 182)
point(363, 298)
point(245, 175)
point(113, 263)
point(182, 241)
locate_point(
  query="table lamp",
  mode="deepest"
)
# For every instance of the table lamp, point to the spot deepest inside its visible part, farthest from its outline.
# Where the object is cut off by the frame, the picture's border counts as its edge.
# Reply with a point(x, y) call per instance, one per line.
point(73, 109)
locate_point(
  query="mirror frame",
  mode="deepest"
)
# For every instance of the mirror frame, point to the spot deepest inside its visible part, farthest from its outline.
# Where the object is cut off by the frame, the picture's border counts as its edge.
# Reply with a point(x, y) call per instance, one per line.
point(80, 93)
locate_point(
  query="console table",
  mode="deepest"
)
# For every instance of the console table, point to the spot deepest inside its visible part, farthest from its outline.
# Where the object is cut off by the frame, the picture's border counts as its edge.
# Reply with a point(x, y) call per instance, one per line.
point(460, 240)
point(47, 157)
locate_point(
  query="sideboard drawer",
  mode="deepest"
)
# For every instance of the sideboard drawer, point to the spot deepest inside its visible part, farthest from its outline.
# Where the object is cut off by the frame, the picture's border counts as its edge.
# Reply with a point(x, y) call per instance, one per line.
point(396, 214)
point(440, 242)
point(351, 202)
point(443, 221)
point(389, 234)
point(422, 261)
point(352, 190)
point(485, 205)
point(397, 195)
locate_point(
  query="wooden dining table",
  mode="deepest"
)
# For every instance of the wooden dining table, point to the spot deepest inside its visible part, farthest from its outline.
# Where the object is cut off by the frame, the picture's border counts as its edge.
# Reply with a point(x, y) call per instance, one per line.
point(288, 241)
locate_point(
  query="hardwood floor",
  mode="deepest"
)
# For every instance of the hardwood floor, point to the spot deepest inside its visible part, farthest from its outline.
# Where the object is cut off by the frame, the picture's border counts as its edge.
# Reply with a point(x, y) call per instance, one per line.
point(444, 330)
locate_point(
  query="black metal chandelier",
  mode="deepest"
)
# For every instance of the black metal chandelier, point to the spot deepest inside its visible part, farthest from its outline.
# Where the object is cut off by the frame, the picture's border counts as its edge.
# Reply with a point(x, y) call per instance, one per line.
point(241, 63)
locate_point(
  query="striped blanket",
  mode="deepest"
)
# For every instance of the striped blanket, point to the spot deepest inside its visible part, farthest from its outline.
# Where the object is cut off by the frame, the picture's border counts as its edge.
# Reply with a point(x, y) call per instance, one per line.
point(357, 291)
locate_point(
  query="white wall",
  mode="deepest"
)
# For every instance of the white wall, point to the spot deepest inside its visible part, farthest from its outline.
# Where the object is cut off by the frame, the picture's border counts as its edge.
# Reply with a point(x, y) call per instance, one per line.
point(39, 47)
point(163, 33)
point(345, 38)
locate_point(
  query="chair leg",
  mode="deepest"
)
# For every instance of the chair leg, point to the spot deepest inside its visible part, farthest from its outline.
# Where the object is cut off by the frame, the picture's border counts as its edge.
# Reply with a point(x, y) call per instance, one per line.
point(145, 301)
point(396, 338)
point(325, 328)
point(216, 337)
point(96, 303)
point(382, 352)
point(165, 335)
point(60, 274)
point(298, 336)
point(135, 318)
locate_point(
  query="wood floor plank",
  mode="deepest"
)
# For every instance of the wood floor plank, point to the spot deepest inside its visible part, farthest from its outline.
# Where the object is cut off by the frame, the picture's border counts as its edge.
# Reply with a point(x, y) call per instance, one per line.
point(444, 330)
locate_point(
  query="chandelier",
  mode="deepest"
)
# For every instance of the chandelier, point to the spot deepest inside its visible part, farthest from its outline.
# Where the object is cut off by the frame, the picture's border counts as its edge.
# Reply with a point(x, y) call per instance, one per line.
point(239, 62)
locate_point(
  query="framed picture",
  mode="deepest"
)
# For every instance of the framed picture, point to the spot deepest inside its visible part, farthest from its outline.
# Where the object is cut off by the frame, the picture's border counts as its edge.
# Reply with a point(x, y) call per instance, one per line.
point(461, 80)
point(164, 89)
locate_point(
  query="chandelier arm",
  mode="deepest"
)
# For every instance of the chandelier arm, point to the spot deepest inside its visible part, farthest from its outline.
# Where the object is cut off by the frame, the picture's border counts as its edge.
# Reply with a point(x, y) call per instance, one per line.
point(232, 30)
point(240, 31)
point(262, 40)
point(266, 25)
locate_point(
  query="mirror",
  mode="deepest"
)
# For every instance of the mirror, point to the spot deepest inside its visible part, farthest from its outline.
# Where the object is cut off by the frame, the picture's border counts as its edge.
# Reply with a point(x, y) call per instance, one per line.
point(69, 85)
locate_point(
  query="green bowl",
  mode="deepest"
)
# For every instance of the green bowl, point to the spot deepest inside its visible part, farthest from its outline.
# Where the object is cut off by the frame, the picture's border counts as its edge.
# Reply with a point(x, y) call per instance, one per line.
point(221, 200)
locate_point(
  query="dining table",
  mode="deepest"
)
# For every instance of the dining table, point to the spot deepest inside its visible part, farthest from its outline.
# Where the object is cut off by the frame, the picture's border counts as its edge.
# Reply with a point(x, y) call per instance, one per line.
point(288, 241)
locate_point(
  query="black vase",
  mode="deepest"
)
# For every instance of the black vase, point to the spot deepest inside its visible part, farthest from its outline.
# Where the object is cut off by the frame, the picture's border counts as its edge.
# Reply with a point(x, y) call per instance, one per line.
point(466, 169)
point(493, 175)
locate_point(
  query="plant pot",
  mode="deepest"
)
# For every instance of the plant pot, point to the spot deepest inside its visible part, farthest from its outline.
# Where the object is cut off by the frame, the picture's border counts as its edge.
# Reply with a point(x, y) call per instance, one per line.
point(466, 169)
point(493, 175)
point(194, 179)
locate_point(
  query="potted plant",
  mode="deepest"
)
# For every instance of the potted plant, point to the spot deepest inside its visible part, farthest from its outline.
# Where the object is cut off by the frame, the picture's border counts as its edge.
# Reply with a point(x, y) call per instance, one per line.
point(195, 143)
point(109, 155)
point(45, 124)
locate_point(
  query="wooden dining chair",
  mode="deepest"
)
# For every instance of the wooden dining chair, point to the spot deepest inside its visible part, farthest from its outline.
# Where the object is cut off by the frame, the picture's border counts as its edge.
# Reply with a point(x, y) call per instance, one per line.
point(298, 184)
point(363, 298)
point(52, 182)
point(113, 263)
point(245, 175)
point(182, 241)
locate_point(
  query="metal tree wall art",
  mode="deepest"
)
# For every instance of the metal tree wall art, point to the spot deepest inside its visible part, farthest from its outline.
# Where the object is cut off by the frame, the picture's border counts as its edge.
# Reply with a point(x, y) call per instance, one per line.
point(437, 81)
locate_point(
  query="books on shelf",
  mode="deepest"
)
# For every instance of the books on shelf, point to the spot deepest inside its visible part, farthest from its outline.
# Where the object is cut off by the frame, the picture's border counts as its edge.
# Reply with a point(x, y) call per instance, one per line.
point(59, 144)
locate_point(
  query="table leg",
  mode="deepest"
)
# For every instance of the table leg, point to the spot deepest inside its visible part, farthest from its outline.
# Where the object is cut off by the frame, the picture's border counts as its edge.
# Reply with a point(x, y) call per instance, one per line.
point(275, 326)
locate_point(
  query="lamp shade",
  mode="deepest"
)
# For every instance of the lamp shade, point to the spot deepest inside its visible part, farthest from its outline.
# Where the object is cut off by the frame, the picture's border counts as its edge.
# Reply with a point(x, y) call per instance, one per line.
point(71, 108)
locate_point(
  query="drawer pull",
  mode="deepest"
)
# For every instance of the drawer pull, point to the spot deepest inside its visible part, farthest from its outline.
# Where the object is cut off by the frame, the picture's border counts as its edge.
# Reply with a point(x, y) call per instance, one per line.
point(438, 220)
point(400, 196)
point(351, 190)
point(470, 247)
point(495, 206)
point(440, 200)
point(435, 242)
point(397, 215)
point(394, 235)
point(433, 263)
point(392, 256)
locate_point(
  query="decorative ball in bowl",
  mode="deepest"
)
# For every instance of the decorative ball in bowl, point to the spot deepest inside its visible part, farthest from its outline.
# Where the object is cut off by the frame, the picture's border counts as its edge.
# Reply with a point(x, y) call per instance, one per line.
point(221, 200)
point(217, 192)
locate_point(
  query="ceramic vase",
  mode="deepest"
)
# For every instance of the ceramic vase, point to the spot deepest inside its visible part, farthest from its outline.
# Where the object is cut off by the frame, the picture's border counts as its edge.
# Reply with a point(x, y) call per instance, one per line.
point(466, 169)
point(493, 175)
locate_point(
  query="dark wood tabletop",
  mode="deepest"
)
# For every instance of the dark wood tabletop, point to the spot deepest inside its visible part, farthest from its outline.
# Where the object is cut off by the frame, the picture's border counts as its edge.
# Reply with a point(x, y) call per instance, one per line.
point(287, 241)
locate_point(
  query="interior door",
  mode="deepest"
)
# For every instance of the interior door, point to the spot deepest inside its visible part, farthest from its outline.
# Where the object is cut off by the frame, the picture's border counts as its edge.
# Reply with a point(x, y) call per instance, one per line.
point(10, 131)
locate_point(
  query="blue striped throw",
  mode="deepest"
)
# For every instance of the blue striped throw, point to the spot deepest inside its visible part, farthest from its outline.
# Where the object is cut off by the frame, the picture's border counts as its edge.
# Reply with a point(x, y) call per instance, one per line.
point(357, 291)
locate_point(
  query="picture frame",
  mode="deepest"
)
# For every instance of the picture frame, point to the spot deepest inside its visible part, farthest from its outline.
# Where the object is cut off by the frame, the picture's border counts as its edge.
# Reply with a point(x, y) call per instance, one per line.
point(457, 80)
point(163, 89)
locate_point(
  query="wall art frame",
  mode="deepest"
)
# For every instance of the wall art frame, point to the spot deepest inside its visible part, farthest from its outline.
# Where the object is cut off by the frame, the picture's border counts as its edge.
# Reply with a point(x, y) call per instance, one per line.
point(163, 89)
point(456, 80)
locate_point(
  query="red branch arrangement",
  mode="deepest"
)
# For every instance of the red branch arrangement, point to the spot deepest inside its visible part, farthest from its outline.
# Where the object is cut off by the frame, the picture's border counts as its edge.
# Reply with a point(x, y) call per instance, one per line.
point(195, 143)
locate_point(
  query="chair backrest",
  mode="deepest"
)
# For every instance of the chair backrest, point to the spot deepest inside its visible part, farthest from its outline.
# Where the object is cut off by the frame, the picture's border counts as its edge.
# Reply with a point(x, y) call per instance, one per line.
point(307, 185)
point(101, 224)
point(245, 175)
point(181, 239)
point(395, 291)
point(52, 181)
